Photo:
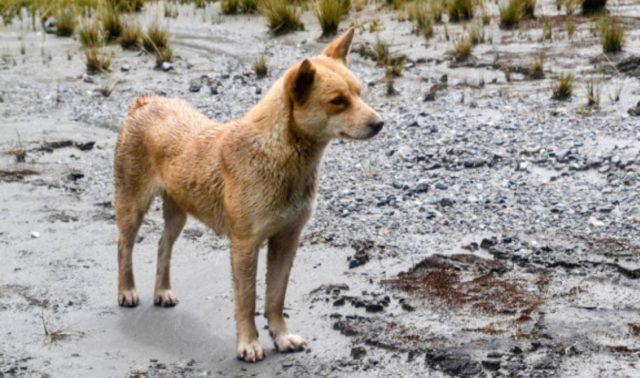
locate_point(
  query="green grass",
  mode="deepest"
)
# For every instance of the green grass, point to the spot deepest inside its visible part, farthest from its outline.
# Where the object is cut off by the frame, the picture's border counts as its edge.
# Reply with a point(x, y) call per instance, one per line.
point(156, 38)
point(97, 61)
point(419, 14)
point(460, 10)
point(131, 36)
point(381, 50)
point(90, 35)
point(230, 6)
point(511, 14)
point(436, 9)
point(611, 35)
point(260, 67)
point(282, 16)
point(65, 22)
point(593, 93)
point(329, 14)
point(528, 8)
point(563, 88)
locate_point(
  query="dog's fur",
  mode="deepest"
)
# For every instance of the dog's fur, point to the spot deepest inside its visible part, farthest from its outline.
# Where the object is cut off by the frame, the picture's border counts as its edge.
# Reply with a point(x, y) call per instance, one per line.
point(253, 179)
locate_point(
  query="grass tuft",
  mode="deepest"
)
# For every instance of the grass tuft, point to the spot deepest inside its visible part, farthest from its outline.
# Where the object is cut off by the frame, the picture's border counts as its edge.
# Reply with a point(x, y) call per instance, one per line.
point(97, 61)
point(460, 10)
point(65, 22)
point(330, 13)
point(260, 67)
point(282, 16)
point(593, 93)
point(537, 68)
point(111, 24)
point(462, 49)
point(476, 33)
point(563, 89)
point(164, 54)
point(131, 36)
point(611, 35)
point(89, 35)
point(156, 39)
point(511, 14)
point(593, 6)
point(528, 8)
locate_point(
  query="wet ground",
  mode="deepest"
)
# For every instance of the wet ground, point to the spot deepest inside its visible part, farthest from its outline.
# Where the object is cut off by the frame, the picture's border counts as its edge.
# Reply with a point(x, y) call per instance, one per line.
point(488, 230)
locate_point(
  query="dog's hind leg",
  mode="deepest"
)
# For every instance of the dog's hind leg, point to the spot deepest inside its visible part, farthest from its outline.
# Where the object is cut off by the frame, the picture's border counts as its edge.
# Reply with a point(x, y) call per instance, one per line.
point(174, 220)
point(282, 251)
point(129, 214)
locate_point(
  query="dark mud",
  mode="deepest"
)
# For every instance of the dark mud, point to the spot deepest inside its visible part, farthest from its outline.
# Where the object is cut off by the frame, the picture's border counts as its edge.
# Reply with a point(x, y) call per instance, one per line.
point(487, 231)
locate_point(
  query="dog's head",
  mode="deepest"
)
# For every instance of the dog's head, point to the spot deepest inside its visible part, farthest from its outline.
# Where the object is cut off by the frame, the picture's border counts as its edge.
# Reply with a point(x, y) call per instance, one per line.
point(325, 96)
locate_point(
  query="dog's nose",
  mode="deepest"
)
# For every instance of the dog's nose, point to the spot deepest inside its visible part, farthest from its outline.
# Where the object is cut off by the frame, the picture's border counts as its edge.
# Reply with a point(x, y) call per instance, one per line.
point(376, 125)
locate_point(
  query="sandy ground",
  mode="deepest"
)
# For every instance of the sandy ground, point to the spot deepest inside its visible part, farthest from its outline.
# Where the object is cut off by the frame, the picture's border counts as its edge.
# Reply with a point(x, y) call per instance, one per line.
point(490, 231)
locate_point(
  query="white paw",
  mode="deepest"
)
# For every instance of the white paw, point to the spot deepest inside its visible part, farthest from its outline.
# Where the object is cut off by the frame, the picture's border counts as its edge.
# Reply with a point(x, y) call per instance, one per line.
point(128, 298)
point(250, 352)
point(289, 343)
point(165, 298)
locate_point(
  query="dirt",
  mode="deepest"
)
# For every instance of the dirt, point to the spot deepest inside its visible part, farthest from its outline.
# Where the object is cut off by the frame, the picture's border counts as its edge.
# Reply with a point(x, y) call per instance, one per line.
point(487, 231)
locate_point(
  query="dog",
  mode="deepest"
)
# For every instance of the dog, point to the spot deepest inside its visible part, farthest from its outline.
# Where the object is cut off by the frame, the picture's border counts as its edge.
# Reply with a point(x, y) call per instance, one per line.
point(253, 179)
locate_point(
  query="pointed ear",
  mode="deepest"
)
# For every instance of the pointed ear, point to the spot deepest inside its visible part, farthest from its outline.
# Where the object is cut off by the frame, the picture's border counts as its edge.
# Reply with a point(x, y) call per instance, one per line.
point(299, 81)
point(339, 48)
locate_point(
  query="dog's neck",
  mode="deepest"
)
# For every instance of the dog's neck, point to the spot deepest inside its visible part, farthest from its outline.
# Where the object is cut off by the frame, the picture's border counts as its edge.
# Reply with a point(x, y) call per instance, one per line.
point(273, 119)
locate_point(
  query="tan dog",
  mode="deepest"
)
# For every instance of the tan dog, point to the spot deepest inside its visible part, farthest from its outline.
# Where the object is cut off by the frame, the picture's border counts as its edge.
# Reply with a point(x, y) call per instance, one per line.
point(253, 179)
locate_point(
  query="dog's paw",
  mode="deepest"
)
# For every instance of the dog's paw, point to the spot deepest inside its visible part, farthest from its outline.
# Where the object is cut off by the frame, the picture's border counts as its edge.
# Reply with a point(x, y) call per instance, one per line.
point(289, 343)
point(165, 298)
point(128, 298)
point(251, 351)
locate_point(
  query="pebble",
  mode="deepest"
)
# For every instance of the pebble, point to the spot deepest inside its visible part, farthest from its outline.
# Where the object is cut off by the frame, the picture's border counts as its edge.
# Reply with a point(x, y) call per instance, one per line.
point(88, 79)
point(441, 186)
point(125, 68)
point(166, 66)
point(35, 234)
point(195, 85)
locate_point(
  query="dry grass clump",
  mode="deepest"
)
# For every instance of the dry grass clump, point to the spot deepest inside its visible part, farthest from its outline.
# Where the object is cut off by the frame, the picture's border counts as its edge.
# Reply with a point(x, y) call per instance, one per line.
point(156, 38)
point(419, 14)
point(593, 6)
point(260, 67)
point(563, 89)
point(436, 9)
point(462, 49)
point(528, 8)
point(460, 10)
point(282, 16)
point(111, 24)
point(131, 36)
point(611, 35)
point(476, 33)
point(511, 14)
point(382, 55)
point(381, 50)
point(89, 35)
point(124, 5)
point(97, 61)
point(537, 68)
point(593, 93)
point(330, 13)
point(65, 22)
point(238, 6)
point(164, 54)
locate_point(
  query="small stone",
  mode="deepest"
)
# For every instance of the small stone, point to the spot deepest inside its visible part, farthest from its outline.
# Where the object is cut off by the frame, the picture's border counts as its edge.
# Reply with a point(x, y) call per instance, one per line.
point(441, 186)
point(213, 90)
point(492, 365)
point(339, 302)
point(635, 111)
point(166, 66)
point(358, 352)
point(35, 234)
point(374, 307)
point(195, 85)
point(595, 222)
point(125, 68)
point(88, 79)
point(258, 90)
point(422, 187)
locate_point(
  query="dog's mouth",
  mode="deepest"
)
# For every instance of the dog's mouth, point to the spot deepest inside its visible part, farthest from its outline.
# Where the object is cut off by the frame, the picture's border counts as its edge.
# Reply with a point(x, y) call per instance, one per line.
point(370, 135)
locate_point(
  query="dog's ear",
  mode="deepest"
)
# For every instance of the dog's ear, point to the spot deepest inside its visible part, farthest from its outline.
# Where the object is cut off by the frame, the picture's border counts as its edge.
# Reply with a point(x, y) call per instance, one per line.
point(339, 48)
point(299, 81)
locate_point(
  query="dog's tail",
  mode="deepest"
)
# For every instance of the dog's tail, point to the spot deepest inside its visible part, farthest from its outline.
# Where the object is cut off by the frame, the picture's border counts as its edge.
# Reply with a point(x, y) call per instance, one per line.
point(139, 102)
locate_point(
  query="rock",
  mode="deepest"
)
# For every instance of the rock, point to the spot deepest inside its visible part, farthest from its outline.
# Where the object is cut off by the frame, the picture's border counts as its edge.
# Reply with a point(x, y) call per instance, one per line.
point(339, 302)
point(441, 186)
point(35, 234)
point(374, 307)
point(125, 68)
point(595, 222)
point(422, 187)
point(407, 307)
point(358, 352)
point(492, 365)
point(85, 146)
point(88, 79)
point(453, 363)
point(49, 25)
point(488, 243)
point(166, 66)
point(258, 90)
point(195, 85)
point(213, 90)
point(514, 366)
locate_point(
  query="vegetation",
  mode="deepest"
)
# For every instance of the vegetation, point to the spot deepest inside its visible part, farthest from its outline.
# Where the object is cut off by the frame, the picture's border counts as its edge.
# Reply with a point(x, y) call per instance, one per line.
point(282, 16)
point(164, 54)
point(381, 51)
point(131, 36)
point(436, 8)
point(330, 13)
point(89, 35)
point(260, 67)
point(111, 24)
point(528, 8)
point(547, 31)
point(238, 6)
point(97, 61)
point(156, 39)
point(537, 68)
point(476, 33)
point(462, 49)
point(611, 35)
point(563, 89)
point(419, 14)
point(460, 10)
point(65, 22)
point(511, 14)
point(593, 93)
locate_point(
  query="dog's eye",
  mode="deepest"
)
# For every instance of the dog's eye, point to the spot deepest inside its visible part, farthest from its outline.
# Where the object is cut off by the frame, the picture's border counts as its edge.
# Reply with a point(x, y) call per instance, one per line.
point(339, 101)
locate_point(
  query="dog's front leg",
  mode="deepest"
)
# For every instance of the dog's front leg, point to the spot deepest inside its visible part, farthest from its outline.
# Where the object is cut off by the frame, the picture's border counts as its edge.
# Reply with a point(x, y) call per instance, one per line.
point(244, 261)
point(282, 250)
